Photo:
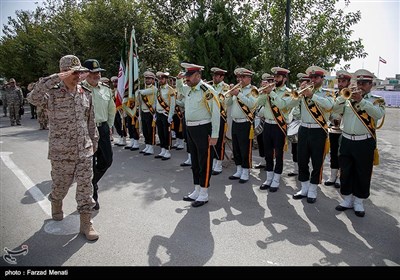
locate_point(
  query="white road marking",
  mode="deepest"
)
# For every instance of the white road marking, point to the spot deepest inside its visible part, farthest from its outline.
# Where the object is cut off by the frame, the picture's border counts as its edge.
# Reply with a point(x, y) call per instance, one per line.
point(36, 193)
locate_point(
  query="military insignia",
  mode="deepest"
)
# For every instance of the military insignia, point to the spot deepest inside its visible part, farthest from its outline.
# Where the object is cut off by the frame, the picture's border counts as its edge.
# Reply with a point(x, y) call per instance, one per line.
point(75, 61)
point(85, 88)
point(104, 84)
point(57, 86)
point(95, 65)
point(209, 96)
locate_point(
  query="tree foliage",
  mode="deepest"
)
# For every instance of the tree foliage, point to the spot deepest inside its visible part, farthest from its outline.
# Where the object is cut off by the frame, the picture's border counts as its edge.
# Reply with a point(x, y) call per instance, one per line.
point(220, 33)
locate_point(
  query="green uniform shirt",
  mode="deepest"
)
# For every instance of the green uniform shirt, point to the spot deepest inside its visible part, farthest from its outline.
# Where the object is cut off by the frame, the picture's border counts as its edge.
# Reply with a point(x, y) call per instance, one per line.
point(104, 106)
point(196, 109)
point(322, 99)
point(167, 94)
point(281, 98)
point(246, 97)
point(351, 124)
point(150, 91)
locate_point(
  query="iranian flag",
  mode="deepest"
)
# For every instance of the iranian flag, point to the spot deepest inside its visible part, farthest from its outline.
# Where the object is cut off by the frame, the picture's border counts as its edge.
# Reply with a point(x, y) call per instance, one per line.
point(131, 78)
point(121, 77)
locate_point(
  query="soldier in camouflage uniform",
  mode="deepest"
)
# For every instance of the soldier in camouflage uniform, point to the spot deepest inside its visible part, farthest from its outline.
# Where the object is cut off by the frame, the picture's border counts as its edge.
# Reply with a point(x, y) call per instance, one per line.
point(72, 138)
point(14, 100)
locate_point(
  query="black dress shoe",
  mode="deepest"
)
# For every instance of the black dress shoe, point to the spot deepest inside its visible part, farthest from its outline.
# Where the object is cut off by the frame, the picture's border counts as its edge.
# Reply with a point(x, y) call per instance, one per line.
point(291, 174)
point(165, 158)
point(97, 206)
point(311, 200)
point(233, 178)
point(264, 187)
point(337, 185)
point(147, 154)
point(298, 196)
point(360, 213)
point(185, 164)
point(187, 198)
point(273, 189)
point(126, 147)
point(342, 208)
point(133, 149)
point(241, 181)
point(328, 183)
point(216, 172)
point(198, 203)
point(158, 156)
point(259, 166)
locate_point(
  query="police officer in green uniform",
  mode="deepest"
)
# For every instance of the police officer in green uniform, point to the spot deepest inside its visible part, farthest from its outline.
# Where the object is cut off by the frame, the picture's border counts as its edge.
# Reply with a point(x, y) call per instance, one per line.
point(243, 100)
point(104, 111)
point(315, 105)
point(266, 79)
point(148, 112)
point(361, 112)
point(202, 114)
point(344, 80)
point(277, 103)
point(220, 88)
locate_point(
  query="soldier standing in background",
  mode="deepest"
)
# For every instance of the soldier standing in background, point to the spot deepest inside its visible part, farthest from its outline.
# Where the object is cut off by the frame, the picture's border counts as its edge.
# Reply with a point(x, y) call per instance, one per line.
point(344, 79)
point(148, 112)
point(220, 88)
point(14, 100)
point(104, 111)
point(71, 146)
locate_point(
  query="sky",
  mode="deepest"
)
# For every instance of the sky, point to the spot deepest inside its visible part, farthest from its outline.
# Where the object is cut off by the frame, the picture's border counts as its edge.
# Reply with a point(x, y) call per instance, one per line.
point(379, 29)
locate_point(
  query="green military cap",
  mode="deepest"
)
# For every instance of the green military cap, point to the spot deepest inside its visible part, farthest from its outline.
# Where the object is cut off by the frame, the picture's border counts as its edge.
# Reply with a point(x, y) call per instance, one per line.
point(93, 65)
point(303, 77)
point(267, 77)
point(342, 74)
point(316, 71)
point(218, 71)
point(364, 75)
point(279, 71)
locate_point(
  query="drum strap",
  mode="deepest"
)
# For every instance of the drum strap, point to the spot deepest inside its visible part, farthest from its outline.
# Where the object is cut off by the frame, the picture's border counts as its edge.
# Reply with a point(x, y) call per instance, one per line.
point(280, 120)
point(316, 113)
point(222, 110)
point(249, 115)
point(369, 123)
point(365, 119)
point(147, 103)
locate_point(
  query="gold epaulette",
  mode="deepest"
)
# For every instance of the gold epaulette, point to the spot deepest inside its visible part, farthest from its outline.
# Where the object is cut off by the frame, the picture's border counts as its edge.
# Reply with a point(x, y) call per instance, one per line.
point(86, 88)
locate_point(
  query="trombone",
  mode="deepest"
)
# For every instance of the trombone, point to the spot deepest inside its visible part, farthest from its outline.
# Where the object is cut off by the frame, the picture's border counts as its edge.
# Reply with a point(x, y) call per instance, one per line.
point(228, 94)
point(298, 94)
point(348, 92)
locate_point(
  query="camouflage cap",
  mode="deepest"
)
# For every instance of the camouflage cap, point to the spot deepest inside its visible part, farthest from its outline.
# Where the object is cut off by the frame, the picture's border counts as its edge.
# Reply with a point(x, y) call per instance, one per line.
point(71, 62)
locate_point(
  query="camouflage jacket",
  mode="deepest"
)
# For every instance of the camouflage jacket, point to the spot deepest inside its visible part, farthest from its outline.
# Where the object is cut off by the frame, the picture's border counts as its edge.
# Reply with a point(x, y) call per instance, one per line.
point(14, 96)
point(72, 129)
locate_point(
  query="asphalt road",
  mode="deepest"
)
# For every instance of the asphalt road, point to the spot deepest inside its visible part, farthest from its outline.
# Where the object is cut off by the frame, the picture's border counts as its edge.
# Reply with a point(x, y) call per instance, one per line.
point(143, 220)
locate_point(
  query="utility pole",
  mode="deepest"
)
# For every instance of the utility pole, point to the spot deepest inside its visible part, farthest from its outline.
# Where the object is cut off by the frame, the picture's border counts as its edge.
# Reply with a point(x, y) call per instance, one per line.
point(287, 33)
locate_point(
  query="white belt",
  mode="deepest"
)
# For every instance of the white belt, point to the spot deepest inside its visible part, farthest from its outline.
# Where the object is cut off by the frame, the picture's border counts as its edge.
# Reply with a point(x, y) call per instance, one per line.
point(311, 125)
point(356, 137)
point(270, 121)
point(195, 123)
point(240, 120)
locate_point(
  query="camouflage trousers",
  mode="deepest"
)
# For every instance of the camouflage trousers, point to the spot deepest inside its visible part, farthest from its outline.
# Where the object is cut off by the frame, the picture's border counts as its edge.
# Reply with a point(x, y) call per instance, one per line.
point(14, 113)
point(64, 173)
point(42, 118)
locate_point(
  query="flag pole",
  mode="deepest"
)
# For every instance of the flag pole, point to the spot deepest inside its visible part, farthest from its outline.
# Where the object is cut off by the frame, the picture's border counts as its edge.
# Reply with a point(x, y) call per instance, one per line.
point(379, 62)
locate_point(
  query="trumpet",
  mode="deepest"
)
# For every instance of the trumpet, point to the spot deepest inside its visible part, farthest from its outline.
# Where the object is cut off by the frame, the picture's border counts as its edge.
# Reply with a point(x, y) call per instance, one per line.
point(297, 94)
point(261, 89)
point(228, 94)
point(348, 92)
